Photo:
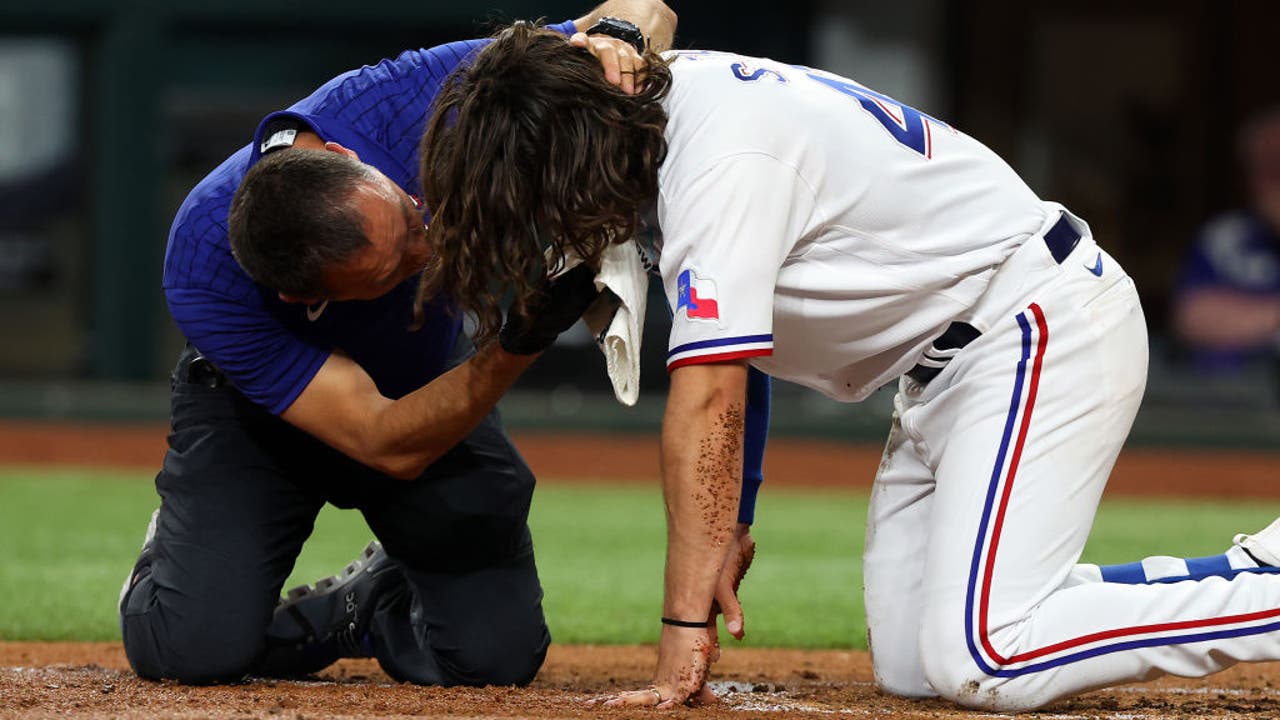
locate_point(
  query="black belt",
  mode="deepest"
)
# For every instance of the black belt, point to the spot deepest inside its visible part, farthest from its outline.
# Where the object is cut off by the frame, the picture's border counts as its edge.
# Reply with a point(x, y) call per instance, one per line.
point(1061, 239)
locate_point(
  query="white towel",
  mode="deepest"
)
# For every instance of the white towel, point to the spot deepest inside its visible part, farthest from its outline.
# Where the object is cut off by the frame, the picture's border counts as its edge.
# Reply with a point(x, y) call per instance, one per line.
point(617, 318)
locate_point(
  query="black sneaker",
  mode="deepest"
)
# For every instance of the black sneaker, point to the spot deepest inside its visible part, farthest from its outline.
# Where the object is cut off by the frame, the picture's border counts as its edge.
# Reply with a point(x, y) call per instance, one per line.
point(314, 625)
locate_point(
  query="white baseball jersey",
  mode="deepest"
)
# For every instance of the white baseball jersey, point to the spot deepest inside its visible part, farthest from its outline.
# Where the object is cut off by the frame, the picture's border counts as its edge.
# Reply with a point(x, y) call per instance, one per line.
point(820, 228)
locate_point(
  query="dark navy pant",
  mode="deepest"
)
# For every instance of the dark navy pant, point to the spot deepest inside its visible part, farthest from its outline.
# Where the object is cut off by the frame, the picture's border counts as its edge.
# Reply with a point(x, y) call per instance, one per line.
point(240, 490)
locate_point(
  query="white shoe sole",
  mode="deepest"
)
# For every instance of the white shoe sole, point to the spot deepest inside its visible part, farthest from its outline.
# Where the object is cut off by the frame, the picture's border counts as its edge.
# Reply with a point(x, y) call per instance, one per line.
point(128, 581)
point(1263, 545)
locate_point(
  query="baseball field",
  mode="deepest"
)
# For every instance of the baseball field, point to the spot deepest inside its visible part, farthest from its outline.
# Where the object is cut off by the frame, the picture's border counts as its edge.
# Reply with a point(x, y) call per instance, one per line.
point(74, 502)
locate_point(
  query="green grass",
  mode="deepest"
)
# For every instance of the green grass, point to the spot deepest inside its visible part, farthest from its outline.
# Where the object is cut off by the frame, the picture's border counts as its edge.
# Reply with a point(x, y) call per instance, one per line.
point(69, 538)
point(601, 554)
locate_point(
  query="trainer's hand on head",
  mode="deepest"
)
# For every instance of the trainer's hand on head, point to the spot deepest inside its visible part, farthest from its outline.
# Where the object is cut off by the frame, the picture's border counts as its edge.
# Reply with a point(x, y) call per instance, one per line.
point(622, 65)
point(735, 568)
point(550, 313)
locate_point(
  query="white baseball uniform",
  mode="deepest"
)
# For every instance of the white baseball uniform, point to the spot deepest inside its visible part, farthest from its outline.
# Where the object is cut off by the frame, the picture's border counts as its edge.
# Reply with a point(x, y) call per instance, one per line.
point(830, 235)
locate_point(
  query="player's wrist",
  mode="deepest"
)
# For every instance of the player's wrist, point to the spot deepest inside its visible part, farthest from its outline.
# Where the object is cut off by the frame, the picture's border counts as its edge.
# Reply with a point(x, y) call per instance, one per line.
point(496, 357)
point(680, 623)
point(697, 606)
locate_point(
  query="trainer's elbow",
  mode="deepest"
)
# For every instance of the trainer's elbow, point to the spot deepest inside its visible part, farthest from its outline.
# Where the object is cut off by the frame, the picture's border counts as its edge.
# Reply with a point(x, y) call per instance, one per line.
point(402, 467)
point(393, 453)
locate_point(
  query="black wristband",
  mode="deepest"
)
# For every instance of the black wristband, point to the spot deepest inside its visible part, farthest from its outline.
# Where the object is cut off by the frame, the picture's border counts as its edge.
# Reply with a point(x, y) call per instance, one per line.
point(683, 623)
point(552, 311)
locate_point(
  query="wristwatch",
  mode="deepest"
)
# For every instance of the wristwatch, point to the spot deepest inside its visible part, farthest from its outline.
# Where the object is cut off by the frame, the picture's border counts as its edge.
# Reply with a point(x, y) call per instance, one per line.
point(621, 29)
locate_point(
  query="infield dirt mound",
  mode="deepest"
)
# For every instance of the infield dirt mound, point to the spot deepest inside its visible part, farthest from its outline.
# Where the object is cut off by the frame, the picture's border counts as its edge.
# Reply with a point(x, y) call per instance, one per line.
point(92, 680)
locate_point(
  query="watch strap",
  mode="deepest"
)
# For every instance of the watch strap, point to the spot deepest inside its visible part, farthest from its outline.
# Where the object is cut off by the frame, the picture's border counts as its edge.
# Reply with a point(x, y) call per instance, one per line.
point(623, 30)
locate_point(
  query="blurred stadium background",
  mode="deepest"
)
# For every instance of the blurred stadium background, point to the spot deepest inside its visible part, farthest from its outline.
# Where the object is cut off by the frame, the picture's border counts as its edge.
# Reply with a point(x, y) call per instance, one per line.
point(110, 110)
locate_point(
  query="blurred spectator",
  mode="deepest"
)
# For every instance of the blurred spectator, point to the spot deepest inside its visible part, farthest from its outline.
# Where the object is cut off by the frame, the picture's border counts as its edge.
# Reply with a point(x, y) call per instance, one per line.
point(1228, 303)
point(37, 142)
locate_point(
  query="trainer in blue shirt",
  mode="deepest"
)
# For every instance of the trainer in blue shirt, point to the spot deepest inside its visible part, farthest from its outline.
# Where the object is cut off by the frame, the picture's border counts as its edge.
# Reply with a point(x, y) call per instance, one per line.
point(307, 379)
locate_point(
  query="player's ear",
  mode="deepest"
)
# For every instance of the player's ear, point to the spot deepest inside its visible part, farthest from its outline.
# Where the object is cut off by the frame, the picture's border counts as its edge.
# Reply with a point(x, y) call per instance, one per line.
point(286, 297)
point(335, 147)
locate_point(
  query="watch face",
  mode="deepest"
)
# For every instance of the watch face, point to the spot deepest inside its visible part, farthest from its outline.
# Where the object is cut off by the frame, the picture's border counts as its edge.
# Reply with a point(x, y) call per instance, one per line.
point(279, 139)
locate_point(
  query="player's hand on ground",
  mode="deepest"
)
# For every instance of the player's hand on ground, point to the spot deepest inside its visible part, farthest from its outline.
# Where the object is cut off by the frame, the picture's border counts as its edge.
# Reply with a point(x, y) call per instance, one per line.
point(685, 656)
point(735, 568)
point(550, 313)
point(622, 65)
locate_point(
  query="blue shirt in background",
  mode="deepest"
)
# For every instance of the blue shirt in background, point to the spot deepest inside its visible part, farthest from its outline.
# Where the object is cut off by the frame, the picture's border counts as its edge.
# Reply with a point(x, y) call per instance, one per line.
point(1236, 251)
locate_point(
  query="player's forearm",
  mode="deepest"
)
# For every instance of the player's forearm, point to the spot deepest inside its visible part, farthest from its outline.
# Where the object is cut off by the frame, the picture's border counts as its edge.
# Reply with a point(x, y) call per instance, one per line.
point(1226, 319)
point(701, 469)
point(654, 18)
point(407, 435)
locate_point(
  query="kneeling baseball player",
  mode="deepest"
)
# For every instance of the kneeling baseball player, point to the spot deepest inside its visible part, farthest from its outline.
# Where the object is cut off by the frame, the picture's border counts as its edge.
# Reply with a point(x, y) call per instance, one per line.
point(828, 235)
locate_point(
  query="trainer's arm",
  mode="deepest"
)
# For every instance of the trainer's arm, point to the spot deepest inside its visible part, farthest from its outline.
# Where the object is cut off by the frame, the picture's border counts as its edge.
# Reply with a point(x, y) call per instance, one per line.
point(653, 17)
point(343, 407)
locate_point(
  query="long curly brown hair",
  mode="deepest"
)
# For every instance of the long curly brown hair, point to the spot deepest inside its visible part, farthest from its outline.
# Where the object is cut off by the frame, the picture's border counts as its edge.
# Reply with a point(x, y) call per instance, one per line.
point(530, 154)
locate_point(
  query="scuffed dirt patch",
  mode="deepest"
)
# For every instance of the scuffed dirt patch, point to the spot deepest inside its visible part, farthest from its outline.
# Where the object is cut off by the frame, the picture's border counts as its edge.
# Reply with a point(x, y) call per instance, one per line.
point(92, 680)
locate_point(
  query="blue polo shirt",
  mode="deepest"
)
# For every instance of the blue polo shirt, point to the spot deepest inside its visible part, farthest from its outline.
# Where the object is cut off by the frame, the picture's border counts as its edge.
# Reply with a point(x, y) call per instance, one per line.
point(270, 350)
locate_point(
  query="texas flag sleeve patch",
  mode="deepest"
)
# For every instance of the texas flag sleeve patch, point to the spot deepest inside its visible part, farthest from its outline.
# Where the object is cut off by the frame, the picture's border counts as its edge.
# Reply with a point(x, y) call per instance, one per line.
point(702, 335)
point(696, 296)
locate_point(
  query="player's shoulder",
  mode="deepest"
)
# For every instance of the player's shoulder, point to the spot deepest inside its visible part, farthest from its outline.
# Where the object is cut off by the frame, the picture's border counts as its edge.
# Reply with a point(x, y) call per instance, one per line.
point(724, 104)
point(714, 74)
point(709, 77)
point(690, 63)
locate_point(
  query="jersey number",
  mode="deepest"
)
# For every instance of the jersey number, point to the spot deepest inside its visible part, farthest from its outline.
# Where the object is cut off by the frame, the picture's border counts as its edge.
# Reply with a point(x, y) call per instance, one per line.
point(911, 128)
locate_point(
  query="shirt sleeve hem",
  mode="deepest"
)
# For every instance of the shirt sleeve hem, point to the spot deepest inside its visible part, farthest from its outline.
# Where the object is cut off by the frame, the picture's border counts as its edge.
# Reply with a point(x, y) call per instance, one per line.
point(304, 379)
point(565, 28)
point(717, 357)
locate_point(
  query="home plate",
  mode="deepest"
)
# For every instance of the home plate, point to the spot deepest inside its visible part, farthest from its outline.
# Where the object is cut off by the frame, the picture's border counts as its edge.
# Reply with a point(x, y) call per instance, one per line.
point(768, 697)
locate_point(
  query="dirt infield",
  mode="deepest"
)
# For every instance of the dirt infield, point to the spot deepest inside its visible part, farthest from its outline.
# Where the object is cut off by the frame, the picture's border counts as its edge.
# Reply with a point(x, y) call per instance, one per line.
point(92, 680)
point(789, 462)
